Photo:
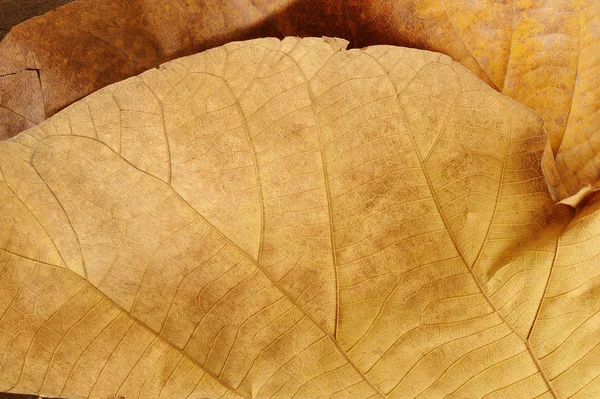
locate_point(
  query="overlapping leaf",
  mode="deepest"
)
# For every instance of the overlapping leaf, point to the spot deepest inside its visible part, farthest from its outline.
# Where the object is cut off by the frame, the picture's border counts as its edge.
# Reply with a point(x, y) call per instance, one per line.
point(544, 54)
point(290, 219)
point(15, 12)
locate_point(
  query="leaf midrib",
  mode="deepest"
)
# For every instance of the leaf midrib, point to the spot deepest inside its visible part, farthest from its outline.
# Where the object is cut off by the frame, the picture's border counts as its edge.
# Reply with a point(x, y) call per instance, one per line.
point(252, 260)
point(135, 319)
point(479, 286)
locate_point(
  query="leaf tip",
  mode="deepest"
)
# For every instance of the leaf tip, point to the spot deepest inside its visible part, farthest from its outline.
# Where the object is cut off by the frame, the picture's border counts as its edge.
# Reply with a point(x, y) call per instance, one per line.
point(581, 198)
point(336, 43)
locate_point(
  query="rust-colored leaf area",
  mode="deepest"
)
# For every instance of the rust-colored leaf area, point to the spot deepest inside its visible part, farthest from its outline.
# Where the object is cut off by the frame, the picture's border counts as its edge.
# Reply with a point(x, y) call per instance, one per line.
point(15, 12)
point(292, 219)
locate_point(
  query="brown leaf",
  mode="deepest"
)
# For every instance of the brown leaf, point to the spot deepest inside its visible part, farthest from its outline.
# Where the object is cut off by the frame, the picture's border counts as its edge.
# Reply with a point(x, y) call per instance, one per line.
point(17, 396)
point(290, 219)
point(13, 12)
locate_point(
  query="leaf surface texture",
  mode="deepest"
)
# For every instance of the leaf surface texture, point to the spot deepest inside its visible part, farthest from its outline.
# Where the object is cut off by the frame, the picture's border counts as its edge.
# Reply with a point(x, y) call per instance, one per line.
point(292, 219)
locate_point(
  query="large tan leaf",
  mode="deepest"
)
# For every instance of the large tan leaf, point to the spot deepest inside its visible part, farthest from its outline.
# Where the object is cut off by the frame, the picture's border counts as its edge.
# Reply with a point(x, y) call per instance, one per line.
point(290, 219)
point(542, 53)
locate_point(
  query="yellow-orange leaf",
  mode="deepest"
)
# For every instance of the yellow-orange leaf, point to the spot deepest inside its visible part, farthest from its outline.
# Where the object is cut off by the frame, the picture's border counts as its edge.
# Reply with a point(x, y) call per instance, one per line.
point(291, 219)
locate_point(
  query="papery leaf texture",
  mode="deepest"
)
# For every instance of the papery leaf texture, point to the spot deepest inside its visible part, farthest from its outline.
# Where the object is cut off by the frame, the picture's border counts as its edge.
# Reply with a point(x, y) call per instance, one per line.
point(544, 54)
point(290, 219)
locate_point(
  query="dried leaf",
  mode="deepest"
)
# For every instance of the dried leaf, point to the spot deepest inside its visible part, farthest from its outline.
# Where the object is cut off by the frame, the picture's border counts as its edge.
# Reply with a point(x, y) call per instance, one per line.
point(545, 55)
point(86, 45)
point(13, 12)
point(291, 219)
